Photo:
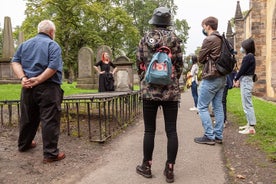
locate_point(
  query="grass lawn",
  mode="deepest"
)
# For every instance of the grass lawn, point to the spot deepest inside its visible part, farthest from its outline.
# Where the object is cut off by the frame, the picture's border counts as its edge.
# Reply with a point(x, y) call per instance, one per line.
point(265, 112)
point(12, 91)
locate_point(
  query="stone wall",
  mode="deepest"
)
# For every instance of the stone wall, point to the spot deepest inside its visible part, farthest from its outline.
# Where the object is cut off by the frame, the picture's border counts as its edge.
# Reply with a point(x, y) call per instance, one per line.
point(259, 24)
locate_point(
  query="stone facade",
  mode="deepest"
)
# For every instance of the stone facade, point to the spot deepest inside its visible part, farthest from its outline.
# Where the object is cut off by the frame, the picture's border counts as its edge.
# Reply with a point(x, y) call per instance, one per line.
point(260, 24)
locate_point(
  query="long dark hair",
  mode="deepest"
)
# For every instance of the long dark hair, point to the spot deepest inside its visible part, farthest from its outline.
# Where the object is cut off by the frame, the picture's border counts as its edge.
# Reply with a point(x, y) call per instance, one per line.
point(249, 46)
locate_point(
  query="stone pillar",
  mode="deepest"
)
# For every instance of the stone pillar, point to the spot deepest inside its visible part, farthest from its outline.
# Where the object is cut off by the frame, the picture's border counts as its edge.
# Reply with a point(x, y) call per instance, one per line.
point(20, 38)
point(239, 32)
point(124, 75)
point(86, 80)
point(258, 21)
point(8, 44)
point(6, 73)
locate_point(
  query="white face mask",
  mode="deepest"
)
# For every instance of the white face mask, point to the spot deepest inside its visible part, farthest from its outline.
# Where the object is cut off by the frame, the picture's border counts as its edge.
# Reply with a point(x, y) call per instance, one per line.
point(242, 50)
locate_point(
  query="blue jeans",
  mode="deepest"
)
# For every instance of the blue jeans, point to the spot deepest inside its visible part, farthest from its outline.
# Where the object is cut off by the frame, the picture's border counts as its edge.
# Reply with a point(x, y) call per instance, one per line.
point(211, 90)
point(246, 85)
point(194, 92)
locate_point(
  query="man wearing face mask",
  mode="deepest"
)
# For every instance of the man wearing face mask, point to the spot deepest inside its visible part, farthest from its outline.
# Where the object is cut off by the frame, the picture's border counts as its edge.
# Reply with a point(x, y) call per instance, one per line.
point(212, 84)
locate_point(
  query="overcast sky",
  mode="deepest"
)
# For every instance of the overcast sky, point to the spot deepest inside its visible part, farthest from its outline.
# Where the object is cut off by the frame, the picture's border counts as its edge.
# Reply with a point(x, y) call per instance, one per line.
point(194, 11)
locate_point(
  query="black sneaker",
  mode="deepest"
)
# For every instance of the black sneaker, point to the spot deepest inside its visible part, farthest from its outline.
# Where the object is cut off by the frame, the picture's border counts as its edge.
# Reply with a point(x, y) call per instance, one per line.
point(144, 169)
point(219, 141)
point(204, 140)
point(168, 172)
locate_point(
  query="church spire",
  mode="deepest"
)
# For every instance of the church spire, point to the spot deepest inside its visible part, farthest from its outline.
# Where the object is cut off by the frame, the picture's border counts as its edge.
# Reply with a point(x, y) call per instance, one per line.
point(229, 33)
point(238, 14)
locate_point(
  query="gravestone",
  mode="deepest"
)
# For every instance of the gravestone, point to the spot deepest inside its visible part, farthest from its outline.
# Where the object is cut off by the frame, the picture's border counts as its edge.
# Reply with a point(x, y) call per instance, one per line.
point(86, 80)
point(8, 44)
point(6, 73)
point(124, 75)
point(20, 38)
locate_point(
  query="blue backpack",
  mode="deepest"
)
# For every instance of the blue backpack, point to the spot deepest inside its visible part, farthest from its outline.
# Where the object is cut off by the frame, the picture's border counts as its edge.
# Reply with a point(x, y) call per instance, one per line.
point(159, 70)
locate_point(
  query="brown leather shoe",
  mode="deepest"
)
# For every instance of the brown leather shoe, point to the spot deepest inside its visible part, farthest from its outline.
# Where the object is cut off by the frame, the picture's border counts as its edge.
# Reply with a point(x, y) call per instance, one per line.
point(59, 157)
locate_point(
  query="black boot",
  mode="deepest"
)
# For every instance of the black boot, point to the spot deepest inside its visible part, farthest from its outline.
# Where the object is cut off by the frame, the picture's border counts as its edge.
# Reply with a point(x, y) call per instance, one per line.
point(168, 172)
point(144, 169)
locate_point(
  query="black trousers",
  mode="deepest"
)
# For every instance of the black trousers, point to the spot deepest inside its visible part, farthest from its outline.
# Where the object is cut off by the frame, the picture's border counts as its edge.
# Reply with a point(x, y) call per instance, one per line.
point(224, 101)
point(170, 110)
point(41, 104)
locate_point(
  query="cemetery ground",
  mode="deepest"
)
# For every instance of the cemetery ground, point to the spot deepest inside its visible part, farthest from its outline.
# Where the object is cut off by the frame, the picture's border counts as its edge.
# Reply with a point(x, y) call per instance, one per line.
point(244, 160)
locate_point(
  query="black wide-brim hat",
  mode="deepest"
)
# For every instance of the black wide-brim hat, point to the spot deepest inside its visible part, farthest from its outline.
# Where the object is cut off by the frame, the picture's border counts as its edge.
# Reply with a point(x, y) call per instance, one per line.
point(161, 16)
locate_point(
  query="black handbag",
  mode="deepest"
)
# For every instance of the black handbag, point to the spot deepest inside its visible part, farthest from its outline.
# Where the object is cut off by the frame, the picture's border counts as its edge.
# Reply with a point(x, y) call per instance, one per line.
point(255, 77)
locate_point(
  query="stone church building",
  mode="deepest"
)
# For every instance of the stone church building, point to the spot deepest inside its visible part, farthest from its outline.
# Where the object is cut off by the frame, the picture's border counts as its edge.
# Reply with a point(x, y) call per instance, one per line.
point(258, 23)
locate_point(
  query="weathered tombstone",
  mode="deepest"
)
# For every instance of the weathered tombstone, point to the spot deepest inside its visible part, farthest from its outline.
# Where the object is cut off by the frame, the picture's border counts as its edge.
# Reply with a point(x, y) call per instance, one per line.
point(124, 75)
point(85, 64)
point(8, 44)
point(6, 73)
point(20, 38)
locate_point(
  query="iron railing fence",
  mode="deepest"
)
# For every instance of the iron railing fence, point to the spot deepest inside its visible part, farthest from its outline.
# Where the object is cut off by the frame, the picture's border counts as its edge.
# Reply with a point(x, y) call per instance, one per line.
point(96, 116)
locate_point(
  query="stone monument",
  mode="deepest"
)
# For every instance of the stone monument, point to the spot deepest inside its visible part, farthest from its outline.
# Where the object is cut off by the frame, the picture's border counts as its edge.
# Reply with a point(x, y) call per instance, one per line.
point(86, 79)
point(6, 73)
point(124, 75)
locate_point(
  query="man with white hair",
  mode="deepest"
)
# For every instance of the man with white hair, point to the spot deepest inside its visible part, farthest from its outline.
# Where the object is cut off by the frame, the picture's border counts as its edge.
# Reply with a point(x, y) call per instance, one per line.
point(38, 64)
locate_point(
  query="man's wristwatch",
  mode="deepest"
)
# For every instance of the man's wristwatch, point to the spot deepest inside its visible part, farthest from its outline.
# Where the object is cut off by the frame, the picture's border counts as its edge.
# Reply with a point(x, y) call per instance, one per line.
point(22, 77)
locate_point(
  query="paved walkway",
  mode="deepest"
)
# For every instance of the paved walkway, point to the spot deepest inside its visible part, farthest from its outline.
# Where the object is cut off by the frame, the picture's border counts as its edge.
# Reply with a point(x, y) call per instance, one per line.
point(195, 163)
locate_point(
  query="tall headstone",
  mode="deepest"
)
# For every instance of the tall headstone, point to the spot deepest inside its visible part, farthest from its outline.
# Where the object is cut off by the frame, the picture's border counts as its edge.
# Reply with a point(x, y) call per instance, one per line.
point(8, 44)
point(6, 73)
point(20, 38)
point(86, 80)
point(124, 76)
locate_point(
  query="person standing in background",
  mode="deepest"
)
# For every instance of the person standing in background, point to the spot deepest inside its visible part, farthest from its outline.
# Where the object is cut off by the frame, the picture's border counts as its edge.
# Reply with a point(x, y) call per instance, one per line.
point(38, 64)
point(244, 80)
point(106, 79)
point(229, 85)
point(193, 74)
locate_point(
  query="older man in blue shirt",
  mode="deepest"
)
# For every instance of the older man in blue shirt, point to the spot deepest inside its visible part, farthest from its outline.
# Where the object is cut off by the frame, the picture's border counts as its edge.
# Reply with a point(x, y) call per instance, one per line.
point(38, 64)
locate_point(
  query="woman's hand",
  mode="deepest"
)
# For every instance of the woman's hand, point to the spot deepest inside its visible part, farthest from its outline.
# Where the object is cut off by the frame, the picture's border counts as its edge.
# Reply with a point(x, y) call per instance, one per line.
point(236, 83)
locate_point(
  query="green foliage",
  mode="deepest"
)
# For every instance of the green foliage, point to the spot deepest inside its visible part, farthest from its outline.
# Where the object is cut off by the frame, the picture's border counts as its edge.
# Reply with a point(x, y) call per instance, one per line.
point(83, 23)
point(265, 135)
point(182, 28)
point(116, 23)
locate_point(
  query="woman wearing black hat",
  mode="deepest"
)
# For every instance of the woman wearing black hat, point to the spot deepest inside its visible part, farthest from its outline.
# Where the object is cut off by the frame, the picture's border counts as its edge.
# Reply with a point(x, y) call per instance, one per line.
point(155, 96)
